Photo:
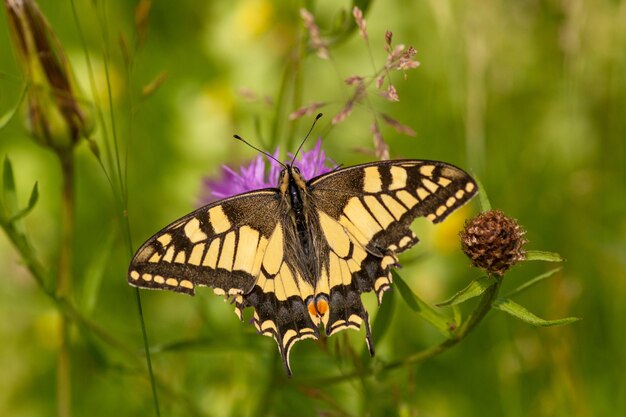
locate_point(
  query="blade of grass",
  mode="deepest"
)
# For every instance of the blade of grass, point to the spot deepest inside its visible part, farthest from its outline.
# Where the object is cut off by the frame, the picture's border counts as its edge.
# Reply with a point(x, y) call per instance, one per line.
point(519, 312)
point(532, 282)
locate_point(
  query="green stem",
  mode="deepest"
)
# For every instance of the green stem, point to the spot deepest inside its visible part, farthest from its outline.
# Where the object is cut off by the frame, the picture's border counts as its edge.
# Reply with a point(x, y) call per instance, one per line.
point(64, 283)
point(479, 313)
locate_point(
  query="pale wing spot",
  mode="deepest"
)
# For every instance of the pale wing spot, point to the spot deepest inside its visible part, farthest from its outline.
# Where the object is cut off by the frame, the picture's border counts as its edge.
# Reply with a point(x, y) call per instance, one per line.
point(469, 187)
point(360, 216)
point(339, 325)
point(134, 275)
point(407, 199)
point(450, 201)
point(440, 210)
point(186, 284)
point(444, 182)
point(274, 252)
point(459, 194)
point(196, 254)
point(193, 231)
point(181, 258)
point(210, 259)
point(146, 277)
point(393, 247)
point(246, 249)
point(396, 209)
point(387, 261)
point(259, 255)
point(171, 282)
point(380, 282)
point(218, 219)
point(169, 254)
point(430, 185)
point(431, 217)
point(335, 235)
point(422, 193)
point(355, 319)
point(165, 239)
point(289, 334)
point(398, 178)
point(219, 291)
point(372, 183)
point(228, 252)
point(427, 170)
point(155, 258)
point(404, 241)
point(159, 279)
point(268, 325)
point(378, 210)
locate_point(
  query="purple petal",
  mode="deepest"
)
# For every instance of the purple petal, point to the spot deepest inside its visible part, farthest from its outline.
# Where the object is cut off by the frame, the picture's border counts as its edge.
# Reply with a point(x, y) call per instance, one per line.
point(252, 176)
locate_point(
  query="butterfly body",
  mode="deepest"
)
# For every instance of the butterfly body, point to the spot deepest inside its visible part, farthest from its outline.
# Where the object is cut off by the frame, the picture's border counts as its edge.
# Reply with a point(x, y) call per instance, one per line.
point(302, 254)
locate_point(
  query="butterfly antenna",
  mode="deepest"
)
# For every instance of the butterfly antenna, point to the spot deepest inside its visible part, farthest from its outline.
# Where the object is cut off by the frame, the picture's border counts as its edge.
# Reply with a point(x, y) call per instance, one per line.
point(259, 150)
point(319, 115)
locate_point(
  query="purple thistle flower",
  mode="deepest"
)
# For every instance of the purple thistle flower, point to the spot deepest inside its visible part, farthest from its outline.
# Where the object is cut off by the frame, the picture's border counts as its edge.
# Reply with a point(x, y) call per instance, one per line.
point(253, 176)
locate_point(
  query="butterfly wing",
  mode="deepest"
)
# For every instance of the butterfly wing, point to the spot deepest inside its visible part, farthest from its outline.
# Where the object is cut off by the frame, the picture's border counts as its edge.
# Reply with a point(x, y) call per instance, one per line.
point(365, 212)
point(237, 247)
point(221, 245)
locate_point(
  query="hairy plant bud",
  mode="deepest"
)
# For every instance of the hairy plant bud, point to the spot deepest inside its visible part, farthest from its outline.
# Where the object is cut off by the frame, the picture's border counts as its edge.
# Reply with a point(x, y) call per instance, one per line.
point(493, 241)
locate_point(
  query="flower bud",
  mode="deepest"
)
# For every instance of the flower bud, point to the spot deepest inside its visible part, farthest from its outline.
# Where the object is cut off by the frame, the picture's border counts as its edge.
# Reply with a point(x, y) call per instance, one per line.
point(56, 116)
point(493, 241)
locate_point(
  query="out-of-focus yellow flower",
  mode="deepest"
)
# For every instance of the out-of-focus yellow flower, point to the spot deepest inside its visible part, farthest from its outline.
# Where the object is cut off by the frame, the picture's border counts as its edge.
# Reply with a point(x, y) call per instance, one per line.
point(446, 235)
point(57, 117)
point(253, 17)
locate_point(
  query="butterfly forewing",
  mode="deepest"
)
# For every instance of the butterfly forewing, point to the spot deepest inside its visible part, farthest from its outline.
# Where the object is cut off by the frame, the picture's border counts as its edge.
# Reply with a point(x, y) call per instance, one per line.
point(221, 245)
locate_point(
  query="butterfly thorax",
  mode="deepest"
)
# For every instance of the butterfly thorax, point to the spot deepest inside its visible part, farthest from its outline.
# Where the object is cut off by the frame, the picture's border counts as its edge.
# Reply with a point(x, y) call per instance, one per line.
point(299, 224)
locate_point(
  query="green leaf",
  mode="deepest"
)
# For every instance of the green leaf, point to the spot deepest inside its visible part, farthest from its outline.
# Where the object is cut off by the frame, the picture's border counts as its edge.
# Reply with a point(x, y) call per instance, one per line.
point(532, 282)
point(34, 197)
point(9, 194)
point(485, 205)
point(424, 310)
point(474, 289)
point(6, 117)
point(539, 255)
point(517, 311)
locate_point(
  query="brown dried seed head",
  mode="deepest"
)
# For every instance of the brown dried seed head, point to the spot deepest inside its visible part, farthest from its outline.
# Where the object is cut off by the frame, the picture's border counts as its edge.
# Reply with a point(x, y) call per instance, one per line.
point(493, 241)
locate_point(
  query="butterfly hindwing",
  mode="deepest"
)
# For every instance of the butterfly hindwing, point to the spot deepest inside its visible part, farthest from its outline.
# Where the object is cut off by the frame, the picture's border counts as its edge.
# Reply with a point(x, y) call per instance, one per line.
point(221, 245)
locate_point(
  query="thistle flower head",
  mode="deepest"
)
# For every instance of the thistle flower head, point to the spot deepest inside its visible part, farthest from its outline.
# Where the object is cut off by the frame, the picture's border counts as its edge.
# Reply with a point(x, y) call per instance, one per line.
point(493, 241)
point(256, 175)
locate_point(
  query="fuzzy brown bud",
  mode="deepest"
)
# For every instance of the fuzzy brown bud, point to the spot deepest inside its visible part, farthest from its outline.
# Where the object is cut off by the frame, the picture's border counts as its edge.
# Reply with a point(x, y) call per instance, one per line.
point(493, 241)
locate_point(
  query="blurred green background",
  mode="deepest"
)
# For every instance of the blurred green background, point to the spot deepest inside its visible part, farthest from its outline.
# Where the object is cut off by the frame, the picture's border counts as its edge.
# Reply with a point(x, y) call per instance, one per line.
point(529, 95)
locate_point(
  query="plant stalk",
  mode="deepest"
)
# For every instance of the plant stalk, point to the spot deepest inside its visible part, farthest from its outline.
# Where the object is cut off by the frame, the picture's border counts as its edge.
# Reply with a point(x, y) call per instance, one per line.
point(64, 283)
